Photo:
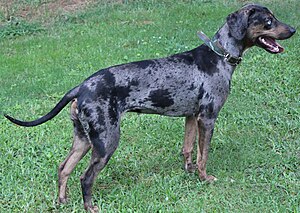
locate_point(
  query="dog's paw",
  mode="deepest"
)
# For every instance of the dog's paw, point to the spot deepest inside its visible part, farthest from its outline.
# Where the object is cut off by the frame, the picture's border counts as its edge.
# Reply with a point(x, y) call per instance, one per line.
point(62, 200)
point(190, 168)
point(93, 209)
point(208, 178)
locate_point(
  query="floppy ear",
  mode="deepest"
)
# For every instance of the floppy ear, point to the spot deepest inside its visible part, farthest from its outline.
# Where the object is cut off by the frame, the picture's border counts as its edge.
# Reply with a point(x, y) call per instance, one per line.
point(238, 23)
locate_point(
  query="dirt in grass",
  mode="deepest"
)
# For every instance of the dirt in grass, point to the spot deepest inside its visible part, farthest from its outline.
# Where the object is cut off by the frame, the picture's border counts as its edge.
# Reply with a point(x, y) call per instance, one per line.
point(42, 10)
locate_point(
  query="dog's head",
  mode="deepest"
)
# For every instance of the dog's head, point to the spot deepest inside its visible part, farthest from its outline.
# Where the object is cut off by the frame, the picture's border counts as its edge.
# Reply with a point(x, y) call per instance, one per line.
point(256, 25)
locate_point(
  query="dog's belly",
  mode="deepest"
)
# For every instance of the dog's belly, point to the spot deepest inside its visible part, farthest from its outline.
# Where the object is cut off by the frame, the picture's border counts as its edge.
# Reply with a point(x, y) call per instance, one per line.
point(171, 113)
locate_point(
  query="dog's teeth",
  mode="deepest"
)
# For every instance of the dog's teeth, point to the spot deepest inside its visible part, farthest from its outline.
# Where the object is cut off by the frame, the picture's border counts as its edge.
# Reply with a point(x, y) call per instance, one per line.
point(263, 40)
point(276, 49)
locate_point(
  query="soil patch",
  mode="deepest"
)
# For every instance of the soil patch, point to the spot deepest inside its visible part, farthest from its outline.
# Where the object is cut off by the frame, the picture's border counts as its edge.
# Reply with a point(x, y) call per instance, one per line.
point(40, 11)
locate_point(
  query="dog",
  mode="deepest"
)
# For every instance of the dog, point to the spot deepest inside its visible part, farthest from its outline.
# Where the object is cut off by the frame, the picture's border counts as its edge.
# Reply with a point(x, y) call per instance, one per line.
point(193, 84)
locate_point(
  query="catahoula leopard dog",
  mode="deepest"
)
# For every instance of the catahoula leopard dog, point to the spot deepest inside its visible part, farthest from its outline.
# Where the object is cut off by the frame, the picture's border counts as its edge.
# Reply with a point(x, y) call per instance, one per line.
point(193, 84)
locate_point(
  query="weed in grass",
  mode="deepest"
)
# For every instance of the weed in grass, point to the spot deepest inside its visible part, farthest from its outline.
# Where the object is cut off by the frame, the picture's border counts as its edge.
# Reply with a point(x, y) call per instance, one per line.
point(14, 28)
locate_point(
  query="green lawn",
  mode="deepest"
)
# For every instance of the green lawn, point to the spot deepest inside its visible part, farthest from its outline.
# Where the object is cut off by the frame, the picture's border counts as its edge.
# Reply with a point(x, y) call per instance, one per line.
point(255, 152)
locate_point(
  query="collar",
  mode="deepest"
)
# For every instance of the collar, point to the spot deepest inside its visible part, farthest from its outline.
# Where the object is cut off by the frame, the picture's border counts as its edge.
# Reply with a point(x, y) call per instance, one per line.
point(215, 46)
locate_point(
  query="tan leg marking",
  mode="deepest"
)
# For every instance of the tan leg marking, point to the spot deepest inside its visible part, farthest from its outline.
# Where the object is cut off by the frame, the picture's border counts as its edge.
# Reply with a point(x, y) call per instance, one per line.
point(79, 148)
point(189, 141)
point(205, 135)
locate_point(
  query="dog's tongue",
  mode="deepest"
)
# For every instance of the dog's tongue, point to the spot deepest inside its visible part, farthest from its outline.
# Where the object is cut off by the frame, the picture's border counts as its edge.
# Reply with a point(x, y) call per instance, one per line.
point(272, 45)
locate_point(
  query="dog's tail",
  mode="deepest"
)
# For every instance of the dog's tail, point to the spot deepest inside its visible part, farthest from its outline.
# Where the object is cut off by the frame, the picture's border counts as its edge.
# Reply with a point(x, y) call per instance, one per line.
point(59, 106)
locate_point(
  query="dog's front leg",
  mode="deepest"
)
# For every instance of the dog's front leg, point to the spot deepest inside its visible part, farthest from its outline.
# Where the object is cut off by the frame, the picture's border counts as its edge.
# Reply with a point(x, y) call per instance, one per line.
point(205, 132)
point(189, 141)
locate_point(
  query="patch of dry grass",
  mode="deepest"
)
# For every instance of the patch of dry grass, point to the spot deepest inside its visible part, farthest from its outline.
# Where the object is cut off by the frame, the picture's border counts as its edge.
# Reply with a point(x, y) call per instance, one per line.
point(40, 10)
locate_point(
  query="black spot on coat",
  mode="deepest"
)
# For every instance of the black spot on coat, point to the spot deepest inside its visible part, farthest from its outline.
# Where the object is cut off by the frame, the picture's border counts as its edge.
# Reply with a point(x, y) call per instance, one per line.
point(208, 111)
point(144, 64)
point(108, 77)
point(161, 98)
point(201, 92)
point(206, 60)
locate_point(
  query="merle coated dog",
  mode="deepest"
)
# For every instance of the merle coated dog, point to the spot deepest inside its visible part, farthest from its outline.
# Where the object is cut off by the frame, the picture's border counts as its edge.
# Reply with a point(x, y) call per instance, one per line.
point(192, 84)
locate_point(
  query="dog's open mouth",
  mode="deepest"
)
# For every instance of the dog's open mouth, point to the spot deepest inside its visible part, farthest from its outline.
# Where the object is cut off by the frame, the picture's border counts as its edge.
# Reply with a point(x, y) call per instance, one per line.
point(269, 44)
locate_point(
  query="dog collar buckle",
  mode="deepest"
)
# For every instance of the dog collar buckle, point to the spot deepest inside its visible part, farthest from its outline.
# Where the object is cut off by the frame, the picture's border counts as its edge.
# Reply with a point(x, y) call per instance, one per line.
point(232, 59)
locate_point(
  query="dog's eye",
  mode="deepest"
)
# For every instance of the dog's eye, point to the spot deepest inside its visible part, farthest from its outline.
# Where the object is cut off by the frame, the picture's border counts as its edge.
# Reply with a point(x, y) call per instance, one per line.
point(269, 22)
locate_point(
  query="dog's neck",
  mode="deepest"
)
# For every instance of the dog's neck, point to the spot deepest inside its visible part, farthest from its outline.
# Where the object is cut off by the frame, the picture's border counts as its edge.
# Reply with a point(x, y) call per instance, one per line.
point(228, 42)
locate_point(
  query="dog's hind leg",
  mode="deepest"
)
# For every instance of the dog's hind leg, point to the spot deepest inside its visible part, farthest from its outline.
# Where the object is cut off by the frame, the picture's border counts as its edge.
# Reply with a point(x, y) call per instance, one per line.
point(79, 148)
point(189, 141)
point(105, 140)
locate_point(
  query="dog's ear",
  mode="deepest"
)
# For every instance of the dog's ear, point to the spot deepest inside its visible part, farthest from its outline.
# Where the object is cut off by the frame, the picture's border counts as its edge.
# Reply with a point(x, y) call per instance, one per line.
point(238, 22)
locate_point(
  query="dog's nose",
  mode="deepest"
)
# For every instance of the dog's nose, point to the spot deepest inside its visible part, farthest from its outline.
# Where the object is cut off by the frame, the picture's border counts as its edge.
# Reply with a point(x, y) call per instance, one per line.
point(292, 30)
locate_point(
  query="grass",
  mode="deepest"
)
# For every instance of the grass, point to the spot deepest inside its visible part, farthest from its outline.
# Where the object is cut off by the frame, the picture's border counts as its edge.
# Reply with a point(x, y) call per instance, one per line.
point(255, 151)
